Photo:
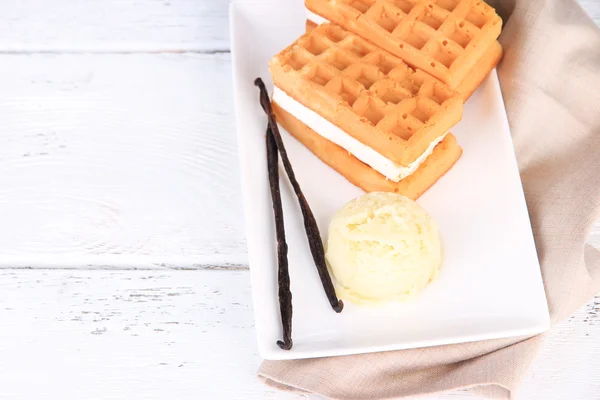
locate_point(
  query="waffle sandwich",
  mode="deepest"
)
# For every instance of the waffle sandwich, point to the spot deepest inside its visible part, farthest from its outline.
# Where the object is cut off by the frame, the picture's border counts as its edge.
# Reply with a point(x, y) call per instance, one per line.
point(453, 40)
point(380, 123)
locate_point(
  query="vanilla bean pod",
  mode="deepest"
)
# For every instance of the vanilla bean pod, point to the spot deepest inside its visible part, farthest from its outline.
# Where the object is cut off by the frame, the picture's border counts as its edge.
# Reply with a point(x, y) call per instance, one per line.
point(283, 274)
point(310, 224)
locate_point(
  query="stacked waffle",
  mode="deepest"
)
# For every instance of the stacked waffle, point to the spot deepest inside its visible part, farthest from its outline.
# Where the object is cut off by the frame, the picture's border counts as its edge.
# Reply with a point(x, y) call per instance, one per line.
point(374, 93)
point(453, 40)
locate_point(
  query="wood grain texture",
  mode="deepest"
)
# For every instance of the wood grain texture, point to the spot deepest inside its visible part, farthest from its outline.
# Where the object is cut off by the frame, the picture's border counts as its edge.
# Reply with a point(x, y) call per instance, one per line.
point(127, 335)
point(118, 161)
point(148, 334)
point(189, 335)
point(113, 25)
point(126, 25)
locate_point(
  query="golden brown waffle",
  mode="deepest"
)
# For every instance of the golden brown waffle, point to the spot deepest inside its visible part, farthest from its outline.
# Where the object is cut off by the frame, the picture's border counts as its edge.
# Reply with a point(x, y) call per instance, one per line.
point(480, 71)
point(476, 75)
point(445, 38)
point(367, 92)
point(444, 156)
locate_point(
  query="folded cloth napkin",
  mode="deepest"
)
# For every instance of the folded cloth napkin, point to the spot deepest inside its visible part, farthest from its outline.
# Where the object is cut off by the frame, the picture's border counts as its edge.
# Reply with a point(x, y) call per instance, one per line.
point(550, 78)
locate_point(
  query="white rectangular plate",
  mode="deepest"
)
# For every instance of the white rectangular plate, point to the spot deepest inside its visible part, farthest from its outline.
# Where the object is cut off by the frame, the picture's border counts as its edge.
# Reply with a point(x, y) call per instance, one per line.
point(490, 285)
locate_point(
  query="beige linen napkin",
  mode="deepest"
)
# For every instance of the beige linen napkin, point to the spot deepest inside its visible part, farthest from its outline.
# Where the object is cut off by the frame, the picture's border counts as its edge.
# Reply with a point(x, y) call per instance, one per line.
point(550, 79)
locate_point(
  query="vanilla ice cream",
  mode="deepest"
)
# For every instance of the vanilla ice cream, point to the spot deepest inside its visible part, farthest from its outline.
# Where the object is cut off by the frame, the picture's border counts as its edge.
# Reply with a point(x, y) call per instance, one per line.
point(382, 247)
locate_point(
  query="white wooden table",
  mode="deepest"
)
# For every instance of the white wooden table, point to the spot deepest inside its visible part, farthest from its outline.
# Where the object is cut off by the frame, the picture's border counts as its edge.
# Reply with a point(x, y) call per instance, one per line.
point(80, 75)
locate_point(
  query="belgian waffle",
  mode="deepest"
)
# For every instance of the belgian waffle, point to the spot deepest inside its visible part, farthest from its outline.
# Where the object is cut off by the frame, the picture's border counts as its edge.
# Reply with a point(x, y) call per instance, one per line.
point(478, 73)
point(445, 154)
point(445, 38)
point(370, 94)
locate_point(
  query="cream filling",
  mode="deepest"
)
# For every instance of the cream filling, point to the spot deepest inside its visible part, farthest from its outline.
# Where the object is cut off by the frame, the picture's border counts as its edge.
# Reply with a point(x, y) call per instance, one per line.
point(386, 167)
point(315, 18)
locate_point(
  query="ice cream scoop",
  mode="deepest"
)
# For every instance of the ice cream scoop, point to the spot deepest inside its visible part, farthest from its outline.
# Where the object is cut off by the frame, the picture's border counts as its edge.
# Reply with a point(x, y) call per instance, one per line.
point(382, 247)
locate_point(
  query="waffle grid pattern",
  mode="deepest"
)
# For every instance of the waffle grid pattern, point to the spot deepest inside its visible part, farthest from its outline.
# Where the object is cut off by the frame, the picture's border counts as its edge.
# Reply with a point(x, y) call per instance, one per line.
point(379, 88)
point(442, 37)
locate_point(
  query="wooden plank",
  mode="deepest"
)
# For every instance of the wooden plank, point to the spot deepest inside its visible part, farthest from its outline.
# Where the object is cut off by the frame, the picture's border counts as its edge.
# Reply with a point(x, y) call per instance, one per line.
point(113, 25)
point(125, 25)
point(118, 161)
point(115, 335)
point(190, 335)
